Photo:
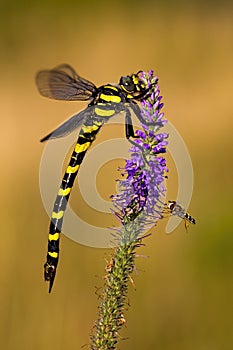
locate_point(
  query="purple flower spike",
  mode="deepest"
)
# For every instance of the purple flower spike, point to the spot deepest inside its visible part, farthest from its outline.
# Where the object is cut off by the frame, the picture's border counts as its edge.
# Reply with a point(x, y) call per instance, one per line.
point(140, 199)
point(138, 206)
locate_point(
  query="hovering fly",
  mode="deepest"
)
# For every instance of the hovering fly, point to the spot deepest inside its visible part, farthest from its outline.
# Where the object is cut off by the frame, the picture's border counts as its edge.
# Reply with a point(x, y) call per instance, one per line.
point(174, 208)
point(63, 83)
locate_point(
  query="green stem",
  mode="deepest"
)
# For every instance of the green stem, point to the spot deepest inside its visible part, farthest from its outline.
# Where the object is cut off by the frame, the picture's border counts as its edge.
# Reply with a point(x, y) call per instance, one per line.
point(112, 307)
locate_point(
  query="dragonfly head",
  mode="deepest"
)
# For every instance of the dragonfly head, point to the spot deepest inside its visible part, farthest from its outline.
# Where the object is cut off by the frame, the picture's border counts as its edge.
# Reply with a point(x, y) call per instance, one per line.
point(133, 86)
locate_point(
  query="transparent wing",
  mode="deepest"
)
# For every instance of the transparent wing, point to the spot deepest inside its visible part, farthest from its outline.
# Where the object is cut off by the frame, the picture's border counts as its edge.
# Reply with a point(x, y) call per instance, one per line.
point(69, 125)
point(63, 83)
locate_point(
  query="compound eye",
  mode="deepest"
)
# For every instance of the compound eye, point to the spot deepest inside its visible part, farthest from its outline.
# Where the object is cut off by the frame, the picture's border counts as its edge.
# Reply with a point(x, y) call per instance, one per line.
point(127, 83)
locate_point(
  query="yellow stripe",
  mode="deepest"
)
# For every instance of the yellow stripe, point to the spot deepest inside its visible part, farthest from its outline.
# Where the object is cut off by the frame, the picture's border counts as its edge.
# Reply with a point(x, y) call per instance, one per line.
point(53, 254)
point(54, 237)
point(109, 98)
point(90, 128)
point(58, 215)
point(135, 79)
point(72, 169)
point(62, 192)
point(81, 148)
point(123, 88)
point(104, 112)
point(110, 87)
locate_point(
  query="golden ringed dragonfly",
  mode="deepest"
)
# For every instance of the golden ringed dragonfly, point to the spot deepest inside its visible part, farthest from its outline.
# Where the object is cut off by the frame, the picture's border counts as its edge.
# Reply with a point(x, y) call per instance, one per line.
point(63, 83)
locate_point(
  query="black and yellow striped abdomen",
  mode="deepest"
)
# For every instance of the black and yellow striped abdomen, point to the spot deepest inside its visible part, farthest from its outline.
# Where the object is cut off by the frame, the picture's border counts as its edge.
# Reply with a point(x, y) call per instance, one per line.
point(104, 109)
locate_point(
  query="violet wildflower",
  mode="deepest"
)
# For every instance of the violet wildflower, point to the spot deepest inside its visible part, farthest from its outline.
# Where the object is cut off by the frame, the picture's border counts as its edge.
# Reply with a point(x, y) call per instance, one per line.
point(145, 170)
point(137, 206)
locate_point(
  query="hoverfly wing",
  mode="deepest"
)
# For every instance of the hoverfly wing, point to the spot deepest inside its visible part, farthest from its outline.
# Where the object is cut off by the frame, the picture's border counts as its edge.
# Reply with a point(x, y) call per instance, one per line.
point(69, 125)
point(63, 83)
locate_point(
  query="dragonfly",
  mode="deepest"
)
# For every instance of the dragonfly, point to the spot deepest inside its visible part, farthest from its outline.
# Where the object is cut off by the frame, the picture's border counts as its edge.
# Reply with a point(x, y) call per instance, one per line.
point(63, 83)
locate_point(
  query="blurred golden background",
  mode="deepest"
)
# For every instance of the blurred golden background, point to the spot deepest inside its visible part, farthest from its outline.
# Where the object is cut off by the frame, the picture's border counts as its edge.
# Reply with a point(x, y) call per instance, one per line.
point(184, 290)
